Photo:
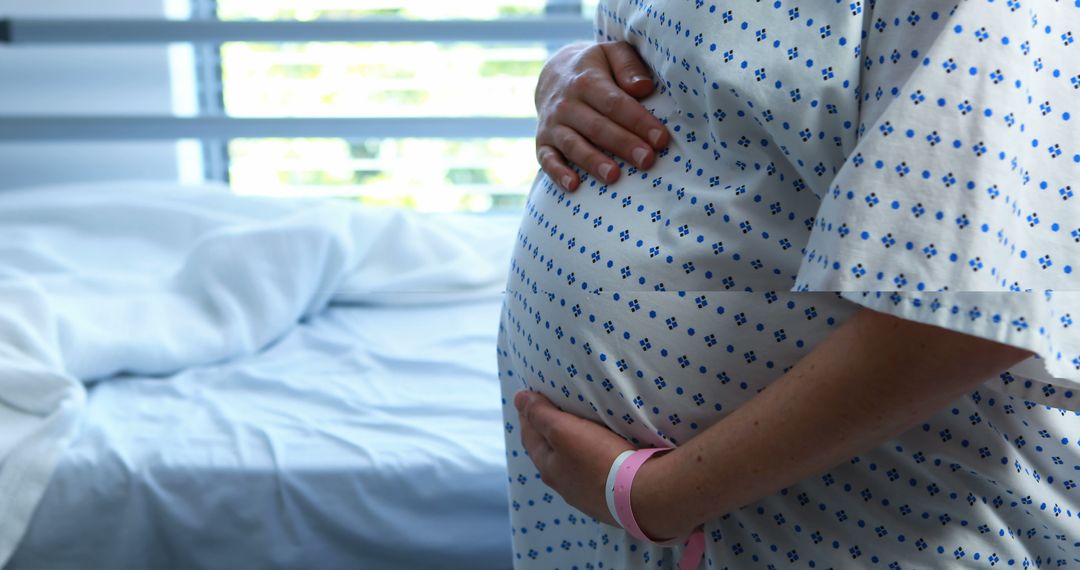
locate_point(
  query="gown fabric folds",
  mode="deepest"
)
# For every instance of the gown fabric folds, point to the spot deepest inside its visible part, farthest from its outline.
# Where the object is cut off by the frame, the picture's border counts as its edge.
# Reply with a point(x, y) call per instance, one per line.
point(917, 158)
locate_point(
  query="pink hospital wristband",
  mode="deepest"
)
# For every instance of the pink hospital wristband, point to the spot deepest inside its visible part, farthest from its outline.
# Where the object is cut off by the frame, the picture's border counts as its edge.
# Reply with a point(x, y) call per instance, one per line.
point(624, 478)
point(609, 487)
point(625, 469)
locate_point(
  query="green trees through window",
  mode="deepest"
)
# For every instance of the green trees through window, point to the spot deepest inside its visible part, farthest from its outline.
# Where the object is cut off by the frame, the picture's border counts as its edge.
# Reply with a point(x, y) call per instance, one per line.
point(400, 79)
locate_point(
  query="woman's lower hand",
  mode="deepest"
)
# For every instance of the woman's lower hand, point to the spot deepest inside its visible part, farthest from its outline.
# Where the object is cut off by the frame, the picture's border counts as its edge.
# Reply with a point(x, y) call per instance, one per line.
point(587, 103)
point(574, 456)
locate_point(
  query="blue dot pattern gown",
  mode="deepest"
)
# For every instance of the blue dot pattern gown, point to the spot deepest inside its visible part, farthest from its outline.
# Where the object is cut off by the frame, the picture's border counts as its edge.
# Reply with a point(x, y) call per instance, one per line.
point(917, 158)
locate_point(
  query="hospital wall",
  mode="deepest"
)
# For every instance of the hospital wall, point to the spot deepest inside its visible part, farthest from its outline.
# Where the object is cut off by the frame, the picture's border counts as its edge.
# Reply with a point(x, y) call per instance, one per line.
point(87, 80)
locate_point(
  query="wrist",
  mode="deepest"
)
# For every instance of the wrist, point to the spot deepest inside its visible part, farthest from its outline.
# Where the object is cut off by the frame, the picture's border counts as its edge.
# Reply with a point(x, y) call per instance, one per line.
point(659, 506)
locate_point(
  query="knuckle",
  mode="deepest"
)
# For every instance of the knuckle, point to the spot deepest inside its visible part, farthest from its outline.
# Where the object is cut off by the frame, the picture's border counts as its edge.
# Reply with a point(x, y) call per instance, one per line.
point(583, 155)
point(560, 139)
point(623, 47)
point(595, 48)
point(596, 127)
point(561, 109)
point(610, 103)
point(583, 81)
point(566, 141)
point(543, 153)
point(551, 168)
point(545, 130)
point(546, 164)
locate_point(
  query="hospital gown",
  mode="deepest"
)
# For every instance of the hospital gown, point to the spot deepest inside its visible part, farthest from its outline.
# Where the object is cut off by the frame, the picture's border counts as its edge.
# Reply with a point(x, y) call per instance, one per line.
point(918, 158)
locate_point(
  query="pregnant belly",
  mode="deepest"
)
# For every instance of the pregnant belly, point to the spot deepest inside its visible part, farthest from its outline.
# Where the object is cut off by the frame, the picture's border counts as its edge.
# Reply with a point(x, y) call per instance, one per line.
point(593, 332)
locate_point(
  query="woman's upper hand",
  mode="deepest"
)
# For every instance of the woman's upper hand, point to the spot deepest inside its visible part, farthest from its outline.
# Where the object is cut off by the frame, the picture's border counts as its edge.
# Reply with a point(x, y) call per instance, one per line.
point(587, 102)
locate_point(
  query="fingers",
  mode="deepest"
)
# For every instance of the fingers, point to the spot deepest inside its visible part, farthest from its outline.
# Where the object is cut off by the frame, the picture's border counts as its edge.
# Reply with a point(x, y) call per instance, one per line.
point(534, 430)
point(630, 72)
point(620, 108)
point(578, 134)
point(552, 424)
point(552, 163)
point(539, 413)
point(588, 111)
point(535, 444)
point(576, 149)
point(604, 134)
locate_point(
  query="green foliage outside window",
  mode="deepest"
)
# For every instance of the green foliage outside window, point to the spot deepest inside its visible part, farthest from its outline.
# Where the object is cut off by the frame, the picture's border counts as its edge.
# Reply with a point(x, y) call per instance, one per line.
point(403, 79)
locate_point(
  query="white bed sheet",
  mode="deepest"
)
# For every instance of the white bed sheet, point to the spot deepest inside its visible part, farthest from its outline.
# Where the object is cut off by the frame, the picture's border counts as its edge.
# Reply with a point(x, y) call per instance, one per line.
point(246, 383)
point(368, 437)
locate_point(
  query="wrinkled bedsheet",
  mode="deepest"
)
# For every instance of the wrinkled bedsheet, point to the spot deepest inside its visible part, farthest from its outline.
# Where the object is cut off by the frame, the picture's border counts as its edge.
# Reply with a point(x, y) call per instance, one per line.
point(218, 380)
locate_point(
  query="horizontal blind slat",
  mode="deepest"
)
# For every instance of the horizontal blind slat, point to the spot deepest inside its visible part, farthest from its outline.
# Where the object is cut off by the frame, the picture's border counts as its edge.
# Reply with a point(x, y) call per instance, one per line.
point(226, 128)
point(558, 29)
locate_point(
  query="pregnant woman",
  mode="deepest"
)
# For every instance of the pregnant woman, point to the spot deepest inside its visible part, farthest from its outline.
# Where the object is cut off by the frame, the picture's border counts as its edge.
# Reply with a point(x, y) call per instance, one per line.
point(829, 262)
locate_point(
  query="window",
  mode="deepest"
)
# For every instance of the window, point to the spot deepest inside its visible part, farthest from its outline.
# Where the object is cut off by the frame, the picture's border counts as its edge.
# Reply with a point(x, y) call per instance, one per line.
point(388, 79)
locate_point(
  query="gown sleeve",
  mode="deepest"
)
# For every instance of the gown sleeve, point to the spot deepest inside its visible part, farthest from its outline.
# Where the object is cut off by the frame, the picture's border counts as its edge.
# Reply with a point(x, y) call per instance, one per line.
point(959, 206)
point(1046, 323)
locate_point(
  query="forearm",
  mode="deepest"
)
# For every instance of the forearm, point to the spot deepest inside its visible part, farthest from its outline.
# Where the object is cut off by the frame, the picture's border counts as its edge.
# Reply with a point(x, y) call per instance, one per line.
point(873, 378)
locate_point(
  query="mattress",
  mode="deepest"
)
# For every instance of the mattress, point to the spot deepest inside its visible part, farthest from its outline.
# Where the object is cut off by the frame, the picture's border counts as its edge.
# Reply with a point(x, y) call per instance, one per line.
point(367, 437)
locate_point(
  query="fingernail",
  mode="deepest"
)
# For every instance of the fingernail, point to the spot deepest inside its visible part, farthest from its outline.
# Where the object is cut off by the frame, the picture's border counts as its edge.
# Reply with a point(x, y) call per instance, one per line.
point(654, 136)
point(639, 157)
point(638, 78)
point(566, 182)
point(519, 399)
point(605, 170)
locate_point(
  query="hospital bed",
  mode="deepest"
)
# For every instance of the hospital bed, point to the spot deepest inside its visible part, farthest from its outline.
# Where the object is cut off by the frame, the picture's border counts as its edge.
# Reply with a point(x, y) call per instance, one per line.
point(227, 399)
point(344, 413)
point(368, 437)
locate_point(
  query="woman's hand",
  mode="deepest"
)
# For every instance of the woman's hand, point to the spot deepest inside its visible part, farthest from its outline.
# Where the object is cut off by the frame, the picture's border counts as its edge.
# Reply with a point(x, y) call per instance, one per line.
point(871, 379)
point(572, 454)
point(587, 102)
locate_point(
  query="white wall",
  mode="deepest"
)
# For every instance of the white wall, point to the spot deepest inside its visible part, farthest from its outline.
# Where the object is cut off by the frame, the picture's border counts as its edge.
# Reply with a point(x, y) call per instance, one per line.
point(109, 80)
